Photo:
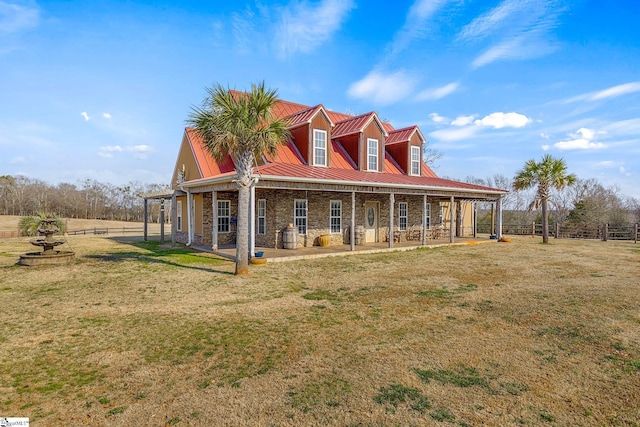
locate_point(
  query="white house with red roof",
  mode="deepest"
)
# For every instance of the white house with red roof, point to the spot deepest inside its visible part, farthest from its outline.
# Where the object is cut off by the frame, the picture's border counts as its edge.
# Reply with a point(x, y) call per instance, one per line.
point(351, 178)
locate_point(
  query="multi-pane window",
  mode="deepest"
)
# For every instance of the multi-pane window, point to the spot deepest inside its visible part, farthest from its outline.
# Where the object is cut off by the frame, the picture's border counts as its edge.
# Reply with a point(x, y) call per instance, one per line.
point(441, 215)
point(179, 215)
point(415, 160)
point(262, 216)
point(402, 216)
point(224, 216)
point(335, 216)
point(319, 147)
point(300, 215)
point(372, 150)
point(428, 214)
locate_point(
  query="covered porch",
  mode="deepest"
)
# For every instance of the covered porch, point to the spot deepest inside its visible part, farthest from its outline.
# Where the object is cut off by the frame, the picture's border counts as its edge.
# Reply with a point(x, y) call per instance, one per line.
point(313, 252)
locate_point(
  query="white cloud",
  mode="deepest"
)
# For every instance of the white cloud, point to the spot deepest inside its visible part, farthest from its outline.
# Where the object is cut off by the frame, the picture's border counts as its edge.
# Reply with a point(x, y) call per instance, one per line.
point(545, 147)
point(606, 164)
point(139, 151)
point(438, 93)
point(463, 120)
point(582, 139)
point(106, 116)
point(437, 118)
point(490, 22)
point(15, 18)
point(111, 148)
point(455, 134)
point(614, 91)
point(304, 26)
point(623, 171)
point(415, 26)
point(501, 120)
point(523, 30)
point(86, 116)
point(382, 88)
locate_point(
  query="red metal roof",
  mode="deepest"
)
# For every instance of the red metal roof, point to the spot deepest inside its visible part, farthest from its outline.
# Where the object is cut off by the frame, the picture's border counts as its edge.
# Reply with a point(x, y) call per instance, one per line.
point(364, 177)
point(208, 165)
point(288, 163)
point(401, 135)
point(287, 154)
point(340, 159)
point(352, 125)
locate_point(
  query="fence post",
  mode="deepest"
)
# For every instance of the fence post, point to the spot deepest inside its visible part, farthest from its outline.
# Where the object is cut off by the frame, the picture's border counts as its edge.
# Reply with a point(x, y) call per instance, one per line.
point(635, 234)
point(605, 234)
point(557, 230)
point(533, 229)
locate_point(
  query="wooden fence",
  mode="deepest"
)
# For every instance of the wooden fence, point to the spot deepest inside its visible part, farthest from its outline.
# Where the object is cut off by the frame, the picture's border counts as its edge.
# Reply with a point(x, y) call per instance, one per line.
point(572, 231)
point(9, 234)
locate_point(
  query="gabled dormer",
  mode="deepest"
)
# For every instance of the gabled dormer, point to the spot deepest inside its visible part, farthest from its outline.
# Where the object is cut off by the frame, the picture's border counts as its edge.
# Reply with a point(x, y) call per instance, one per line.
point(405, 146)
point(363, 138)
point(311, 133)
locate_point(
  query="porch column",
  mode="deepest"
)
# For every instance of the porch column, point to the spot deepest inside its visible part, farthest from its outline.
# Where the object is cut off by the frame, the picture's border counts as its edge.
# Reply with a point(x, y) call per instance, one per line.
point(459, 231)
point(144, 232)
point(189, 220)
point(493, 219)
point(252, 222)
point(174, 220)
point(475, 219)
point(452, 222)
point(161, 219)
point(499, 217)
point(352, 229)
point(214, 222)
point(424, 220)
point(392, 201)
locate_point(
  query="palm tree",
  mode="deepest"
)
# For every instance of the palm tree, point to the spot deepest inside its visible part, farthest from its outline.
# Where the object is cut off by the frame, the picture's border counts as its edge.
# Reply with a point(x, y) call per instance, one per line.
point(241, 125)
point(546, 174)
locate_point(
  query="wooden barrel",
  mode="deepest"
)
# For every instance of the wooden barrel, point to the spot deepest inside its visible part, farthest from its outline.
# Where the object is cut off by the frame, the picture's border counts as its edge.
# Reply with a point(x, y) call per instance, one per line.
point(290, 237)
point(324, 240)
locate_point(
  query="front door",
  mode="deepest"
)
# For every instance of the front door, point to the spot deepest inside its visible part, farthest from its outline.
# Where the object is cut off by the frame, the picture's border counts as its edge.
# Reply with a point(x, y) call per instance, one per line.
point(371, 222)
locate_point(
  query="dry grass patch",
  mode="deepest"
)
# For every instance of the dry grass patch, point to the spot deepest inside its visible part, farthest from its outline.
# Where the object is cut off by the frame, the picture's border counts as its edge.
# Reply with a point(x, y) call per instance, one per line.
point(491, 334)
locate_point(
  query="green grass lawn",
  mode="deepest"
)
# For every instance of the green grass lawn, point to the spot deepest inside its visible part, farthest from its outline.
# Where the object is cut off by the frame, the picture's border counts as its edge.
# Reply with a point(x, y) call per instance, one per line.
point(136, 333)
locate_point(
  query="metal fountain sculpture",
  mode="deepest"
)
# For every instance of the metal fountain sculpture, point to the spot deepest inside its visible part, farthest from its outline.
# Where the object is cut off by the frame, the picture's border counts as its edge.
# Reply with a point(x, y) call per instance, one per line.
point(47, 227)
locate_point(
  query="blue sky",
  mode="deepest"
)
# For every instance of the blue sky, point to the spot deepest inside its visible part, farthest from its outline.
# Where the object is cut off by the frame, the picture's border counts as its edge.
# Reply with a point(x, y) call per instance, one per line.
point(101, 89)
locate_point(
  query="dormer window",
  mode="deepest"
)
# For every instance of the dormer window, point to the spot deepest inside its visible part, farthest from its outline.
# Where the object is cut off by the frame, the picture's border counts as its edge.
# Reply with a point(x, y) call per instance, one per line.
point(319, 147)
point(372, 156)
point(415, 160)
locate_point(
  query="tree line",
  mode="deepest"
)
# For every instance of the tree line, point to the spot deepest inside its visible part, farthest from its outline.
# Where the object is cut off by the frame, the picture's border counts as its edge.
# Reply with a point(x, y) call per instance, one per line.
point(586, 202)
point(90, 199)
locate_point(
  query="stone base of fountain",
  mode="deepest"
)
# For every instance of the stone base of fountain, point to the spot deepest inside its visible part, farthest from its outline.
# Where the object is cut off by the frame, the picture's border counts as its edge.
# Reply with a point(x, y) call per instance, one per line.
point(39, 258)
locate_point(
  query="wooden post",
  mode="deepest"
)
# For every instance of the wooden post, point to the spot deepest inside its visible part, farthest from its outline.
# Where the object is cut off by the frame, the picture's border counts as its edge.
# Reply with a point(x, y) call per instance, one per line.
point(144, 232)
point(557, 230)
point(352, 229)
point(452, 220)
point(635, 234)
point(605, 234)
point(499, 218)
point(492, 231)
point(424, 220)
point(392, 202)
point(161, 221)
point(533, 229)
point(174, 219)
point(459, 231)
point(252, 220)
point(214, 221)
point(475, 219)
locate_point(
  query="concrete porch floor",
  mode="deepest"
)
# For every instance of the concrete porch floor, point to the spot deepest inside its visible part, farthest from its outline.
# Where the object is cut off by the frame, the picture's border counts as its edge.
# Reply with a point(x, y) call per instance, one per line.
point(283, 255)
